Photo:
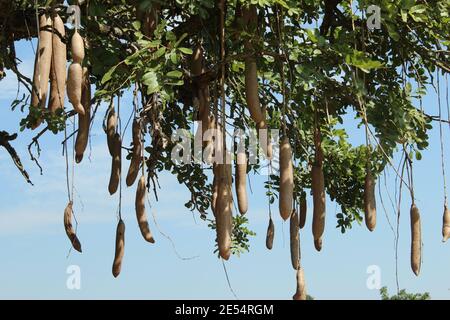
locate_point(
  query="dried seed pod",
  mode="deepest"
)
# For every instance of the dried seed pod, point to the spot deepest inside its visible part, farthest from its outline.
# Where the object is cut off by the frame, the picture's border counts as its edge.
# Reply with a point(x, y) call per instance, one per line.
point(446, 224)
point(111, 125)
point(84, 121)
point(270, 234)
point(416, 240)
point(136, 157)
point(300, 294)
point(120, 248)
point(116, 165)
point(68, 213)
point(295, 240)
point(303, 207)
point(370, 210)
point(286, 179)
point(141, 214)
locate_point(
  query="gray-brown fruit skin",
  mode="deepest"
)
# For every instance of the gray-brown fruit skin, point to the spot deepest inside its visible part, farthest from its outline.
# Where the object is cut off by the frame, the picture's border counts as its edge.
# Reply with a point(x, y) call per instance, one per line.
point(370, 209)
point(42, 65)
point(74, 87)
point(286, 179)
point(77, 46)
point(241, 182)
point(136, 157)
point(270, 235)
point(250, 18)
point(224, 210)
point(300, 294)
point(416, 240)
point(141, 214)
point(58, 65)
point(120, 249)
point(116, 165)
point(303, 208)
point(318, 190)
point(295, 240)
point(84, 120)
point(111, 125)
point(446, 224)
point(68, 213)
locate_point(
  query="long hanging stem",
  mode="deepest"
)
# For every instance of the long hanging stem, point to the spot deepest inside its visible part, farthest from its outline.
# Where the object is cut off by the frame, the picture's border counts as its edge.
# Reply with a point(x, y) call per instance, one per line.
point(441, 138)
point(222, 76)
point(398, 226)
point(120, 170)
point(283, 80)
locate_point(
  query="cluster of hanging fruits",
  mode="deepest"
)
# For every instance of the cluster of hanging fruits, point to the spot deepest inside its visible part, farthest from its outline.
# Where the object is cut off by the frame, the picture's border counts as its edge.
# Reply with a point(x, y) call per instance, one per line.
point(50, 67)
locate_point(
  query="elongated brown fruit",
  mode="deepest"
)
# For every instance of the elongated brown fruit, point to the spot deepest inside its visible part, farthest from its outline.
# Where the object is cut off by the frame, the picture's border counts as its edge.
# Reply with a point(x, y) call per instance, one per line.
point(370, 209)
point(303, 208)
point(58, 65)
point(224, 211)
point(136, 157)
point(84, 121)
point(300, 294)
point(116, 165)
point(295, 240)
point(416, 240)
point(74, 87)
point(203, 96)
point(111, 124)
point(42, 65)
point(241, 179)
point(286, 179)
point(141, 215)
point(264, 136)
point(68, 213)
point(446, 224)
point(77, 47)
point(251, 70)
point(215, 190)
point(120, 248)
point(318, 190)
point(270, 234)
point(209, 143)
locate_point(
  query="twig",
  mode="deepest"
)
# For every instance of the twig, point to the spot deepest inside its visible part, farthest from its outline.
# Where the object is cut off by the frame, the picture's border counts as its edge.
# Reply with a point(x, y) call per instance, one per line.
point(35, 141)
point(228, 280)
point(5, 138)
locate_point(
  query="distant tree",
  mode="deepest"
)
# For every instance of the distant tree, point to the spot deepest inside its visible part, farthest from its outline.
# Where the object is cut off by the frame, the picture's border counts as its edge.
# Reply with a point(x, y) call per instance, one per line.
point(403, 295)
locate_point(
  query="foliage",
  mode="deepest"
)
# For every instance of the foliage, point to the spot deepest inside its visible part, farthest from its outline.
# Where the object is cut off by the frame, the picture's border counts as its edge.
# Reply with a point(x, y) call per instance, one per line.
point(240, 236)
point(403, 295)
point(318, 58)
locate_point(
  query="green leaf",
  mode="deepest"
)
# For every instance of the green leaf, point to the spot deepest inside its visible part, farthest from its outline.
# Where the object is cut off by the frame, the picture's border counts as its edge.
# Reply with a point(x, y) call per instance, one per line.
point(108, 75)
point(150, 79)
point(360, 60)
point(175, 74)
point(136, 25)
point(160, 52)
point(185, 50)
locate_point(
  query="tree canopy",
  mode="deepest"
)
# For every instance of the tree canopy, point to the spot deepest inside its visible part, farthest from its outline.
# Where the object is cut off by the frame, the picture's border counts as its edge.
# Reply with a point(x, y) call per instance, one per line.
point(316, 62)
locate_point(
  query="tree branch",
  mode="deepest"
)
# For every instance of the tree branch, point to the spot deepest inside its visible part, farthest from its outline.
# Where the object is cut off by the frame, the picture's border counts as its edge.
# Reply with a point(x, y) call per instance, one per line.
point(5, 138)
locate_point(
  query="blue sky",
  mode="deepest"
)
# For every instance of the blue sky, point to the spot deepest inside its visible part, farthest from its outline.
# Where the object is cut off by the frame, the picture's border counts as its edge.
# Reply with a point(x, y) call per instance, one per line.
point(34, 245)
